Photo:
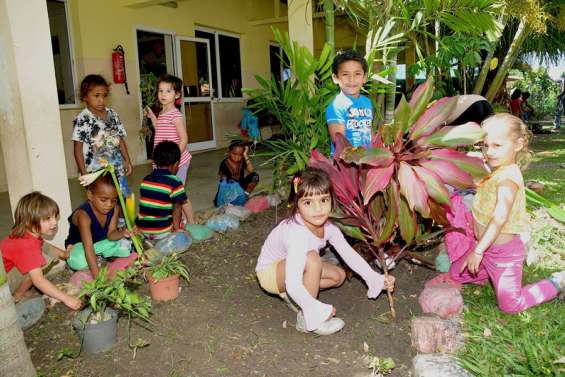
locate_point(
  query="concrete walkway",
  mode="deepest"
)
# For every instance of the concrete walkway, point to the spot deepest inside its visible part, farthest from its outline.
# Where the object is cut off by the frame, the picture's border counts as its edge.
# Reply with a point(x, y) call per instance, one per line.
point(201, 185)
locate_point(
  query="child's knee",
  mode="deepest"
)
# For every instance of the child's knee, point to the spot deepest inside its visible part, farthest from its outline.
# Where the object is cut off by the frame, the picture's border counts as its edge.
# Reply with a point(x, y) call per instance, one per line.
point(509, 305)
point(340, 275)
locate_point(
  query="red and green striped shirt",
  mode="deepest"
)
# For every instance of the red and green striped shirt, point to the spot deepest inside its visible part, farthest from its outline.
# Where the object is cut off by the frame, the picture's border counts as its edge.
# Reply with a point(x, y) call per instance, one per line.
point(159, 191)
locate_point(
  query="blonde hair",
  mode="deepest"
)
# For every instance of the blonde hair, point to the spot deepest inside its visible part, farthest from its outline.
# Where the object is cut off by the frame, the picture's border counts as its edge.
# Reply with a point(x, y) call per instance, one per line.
point(518, 129)
point(30, 211)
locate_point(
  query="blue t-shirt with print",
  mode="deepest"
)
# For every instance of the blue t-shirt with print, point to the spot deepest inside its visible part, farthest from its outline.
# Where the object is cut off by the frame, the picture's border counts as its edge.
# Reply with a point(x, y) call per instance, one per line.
point(356, 114)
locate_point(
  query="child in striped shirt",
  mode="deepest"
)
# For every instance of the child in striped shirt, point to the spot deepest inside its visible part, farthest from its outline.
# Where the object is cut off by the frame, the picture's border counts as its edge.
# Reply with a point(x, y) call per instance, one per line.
point(162, 194)
point(170, 126)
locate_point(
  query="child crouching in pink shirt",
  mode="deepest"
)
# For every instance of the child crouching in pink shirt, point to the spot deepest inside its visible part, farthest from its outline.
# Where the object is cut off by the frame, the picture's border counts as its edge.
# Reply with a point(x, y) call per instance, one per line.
point(290, 262)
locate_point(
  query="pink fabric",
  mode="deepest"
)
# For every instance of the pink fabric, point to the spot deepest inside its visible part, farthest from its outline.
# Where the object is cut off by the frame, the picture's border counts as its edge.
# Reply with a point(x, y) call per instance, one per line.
point(458, 242)
point(257, 204)
point(502, 264)
point(291, 240)
point(80, 277)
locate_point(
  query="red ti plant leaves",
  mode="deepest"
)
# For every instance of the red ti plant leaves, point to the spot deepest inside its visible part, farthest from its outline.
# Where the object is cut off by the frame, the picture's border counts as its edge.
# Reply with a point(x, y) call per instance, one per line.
point(449, 173)
point(413, 189)
point(433, 117)
point(420, 99)
point(472, 165)
point(454, 136)
point(376, 157)
point(406, 222)
point(344, 182)
point(437, 212)
point(434, 185)
point(377, 180)
point(352, 231)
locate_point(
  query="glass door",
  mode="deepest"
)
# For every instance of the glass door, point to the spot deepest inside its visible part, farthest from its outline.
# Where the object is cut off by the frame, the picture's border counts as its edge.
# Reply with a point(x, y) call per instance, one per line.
point(194, 68)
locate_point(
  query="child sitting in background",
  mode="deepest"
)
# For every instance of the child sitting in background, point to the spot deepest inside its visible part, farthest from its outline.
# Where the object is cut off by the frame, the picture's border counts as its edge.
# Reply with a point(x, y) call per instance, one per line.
point(290, 260)
point(490, 247)
point(36, 216)
point(162, 194)
point(93, 230)
point(98, 133)
point(233, 171)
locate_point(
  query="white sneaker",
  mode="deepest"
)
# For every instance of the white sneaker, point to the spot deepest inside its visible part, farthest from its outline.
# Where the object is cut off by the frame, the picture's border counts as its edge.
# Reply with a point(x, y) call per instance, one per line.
point(558, 279)
point(330, 257)
point(328, 327)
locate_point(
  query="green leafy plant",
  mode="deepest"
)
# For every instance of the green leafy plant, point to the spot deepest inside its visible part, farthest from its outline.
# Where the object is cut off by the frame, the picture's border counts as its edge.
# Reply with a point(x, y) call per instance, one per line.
point(299, 105)
point(380, 365)
point(387, 192)
point(103, 292)
point(148, 89)
point(170, 265)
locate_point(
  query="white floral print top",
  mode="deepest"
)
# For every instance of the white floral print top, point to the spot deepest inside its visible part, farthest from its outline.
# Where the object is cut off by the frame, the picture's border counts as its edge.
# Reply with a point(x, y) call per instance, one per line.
point(100, 138)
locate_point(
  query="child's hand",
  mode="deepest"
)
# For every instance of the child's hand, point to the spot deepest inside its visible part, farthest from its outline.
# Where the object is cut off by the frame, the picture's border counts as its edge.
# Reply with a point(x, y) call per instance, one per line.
point(149, 114)
point(67, 252)
point(134, 232)
point(389, 283)
point(73, 303)
point(472, 262)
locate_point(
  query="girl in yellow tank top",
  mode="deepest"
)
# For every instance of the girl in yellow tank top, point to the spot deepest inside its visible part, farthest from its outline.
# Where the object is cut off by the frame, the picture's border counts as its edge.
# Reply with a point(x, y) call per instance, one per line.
point(494, 250)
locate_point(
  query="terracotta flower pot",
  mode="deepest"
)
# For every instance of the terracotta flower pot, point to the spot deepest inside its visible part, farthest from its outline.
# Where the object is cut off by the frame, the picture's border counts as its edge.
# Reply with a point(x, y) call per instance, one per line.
point(165, 289)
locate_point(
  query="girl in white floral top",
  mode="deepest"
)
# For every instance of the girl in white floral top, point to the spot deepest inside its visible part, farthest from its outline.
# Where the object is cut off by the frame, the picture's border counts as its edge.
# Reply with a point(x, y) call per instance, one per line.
point(98, 133)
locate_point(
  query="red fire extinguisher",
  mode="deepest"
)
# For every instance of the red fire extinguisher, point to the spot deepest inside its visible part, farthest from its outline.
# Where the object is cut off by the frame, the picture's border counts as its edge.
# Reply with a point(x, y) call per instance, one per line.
point(119, 67)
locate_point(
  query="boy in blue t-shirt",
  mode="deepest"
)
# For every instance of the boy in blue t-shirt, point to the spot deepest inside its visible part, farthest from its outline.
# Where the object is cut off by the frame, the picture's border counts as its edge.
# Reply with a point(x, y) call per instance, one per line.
point(350, 113)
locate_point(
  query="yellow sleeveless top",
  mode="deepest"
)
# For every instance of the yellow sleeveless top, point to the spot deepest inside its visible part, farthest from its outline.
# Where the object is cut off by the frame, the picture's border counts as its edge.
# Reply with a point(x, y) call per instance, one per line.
point(485, 200)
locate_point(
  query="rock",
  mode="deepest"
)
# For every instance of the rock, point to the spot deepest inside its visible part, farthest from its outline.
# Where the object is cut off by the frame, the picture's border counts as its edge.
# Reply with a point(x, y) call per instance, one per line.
point(442, 279)
point(442, 299)
point(433, 334)
point(442, 262)
point(437, 365)
point(535, 186)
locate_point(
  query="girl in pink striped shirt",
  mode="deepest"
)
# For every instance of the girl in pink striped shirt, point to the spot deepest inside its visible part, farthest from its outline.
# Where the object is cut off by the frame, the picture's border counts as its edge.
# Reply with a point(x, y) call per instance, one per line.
point(170, 126)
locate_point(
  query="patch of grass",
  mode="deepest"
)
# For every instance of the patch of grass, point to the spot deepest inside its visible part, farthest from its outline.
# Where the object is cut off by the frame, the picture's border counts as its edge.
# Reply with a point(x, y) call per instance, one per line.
point(531, 343)
point(548, 165)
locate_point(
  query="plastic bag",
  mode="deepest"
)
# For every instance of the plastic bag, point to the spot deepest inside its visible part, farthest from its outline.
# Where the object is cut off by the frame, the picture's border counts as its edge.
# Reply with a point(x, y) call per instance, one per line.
point(230, 192)
point(199, 232)
point(175, 242)
point(257, 204)
point(273, 200)
point(222, 223)
point(240, 212)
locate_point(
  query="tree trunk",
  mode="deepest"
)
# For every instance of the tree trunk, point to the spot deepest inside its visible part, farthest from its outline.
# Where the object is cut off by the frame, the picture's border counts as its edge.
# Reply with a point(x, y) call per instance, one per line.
point(478, 89)
point(329, 14)
point(480, 83)
point(14, 356)
point(390, 95)
point(509, 60)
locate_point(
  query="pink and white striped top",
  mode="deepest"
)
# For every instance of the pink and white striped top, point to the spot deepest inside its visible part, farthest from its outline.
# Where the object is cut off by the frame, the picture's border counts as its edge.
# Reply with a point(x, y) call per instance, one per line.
point(166, 130)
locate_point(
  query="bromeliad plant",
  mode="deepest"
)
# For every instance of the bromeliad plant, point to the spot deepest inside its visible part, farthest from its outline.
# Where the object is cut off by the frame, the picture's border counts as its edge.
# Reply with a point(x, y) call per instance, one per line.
point(385, 192)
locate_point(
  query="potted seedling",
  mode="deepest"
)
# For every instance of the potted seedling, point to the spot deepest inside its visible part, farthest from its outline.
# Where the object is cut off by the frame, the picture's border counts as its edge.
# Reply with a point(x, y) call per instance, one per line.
point(164, 277)
point(96, 325)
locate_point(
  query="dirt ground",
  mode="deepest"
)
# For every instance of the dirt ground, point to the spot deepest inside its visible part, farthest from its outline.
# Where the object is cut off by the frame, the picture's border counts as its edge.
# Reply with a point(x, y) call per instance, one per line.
point(223, 324)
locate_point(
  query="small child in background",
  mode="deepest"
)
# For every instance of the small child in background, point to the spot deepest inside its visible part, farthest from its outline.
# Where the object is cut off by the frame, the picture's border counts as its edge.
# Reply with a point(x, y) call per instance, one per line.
point(36, 216)
point(162, 195)
point(527, 109)
point(98, 133)
point(170, 126)
point(93, 230)
point(290, 260)
point(233, 170)
point(490, 247)
point(350, 113)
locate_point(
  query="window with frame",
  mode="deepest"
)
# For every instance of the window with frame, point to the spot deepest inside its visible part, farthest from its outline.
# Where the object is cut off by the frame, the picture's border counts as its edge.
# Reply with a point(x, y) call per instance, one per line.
point(225, 54)
point(62, 52)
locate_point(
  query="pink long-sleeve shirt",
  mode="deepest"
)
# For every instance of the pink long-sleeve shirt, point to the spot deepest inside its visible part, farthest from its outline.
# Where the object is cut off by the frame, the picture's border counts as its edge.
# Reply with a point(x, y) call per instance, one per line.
point(291, 240)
